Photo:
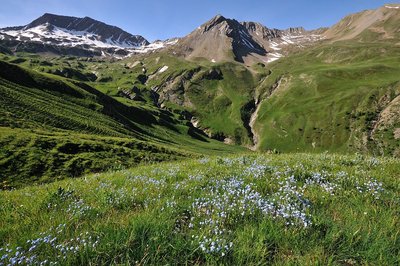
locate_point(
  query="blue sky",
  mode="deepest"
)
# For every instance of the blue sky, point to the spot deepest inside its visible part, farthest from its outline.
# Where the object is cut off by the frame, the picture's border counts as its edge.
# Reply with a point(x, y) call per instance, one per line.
point(161, 19)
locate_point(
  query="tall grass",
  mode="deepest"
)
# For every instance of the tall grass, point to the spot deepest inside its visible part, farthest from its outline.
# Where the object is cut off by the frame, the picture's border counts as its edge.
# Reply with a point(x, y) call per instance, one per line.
point(245, 209)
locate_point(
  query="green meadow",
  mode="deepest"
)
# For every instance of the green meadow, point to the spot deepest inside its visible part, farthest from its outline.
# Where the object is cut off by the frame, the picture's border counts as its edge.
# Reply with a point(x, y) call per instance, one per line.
point(246, 209)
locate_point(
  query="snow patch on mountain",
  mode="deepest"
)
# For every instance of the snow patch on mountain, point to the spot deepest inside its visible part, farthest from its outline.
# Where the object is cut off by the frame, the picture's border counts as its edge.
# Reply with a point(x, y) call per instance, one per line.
point(154, 46)
point(275, 46)
point(393, 7)
point(63, 37)
point(53, 35)
point(279, 45)
point(273, 57)
point(163, 69)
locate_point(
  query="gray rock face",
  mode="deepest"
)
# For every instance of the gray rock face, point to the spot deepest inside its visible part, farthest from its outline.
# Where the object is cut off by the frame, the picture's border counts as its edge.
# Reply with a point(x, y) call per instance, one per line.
point(239, 34)
point(295, 31)
point(222, 39)
point(262, 31)
point(218, 40)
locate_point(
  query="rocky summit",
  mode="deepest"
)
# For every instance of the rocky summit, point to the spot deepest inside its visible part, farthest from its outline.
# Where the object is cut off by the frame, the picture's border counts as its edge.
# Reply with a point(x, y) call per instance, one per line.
point(222, 39)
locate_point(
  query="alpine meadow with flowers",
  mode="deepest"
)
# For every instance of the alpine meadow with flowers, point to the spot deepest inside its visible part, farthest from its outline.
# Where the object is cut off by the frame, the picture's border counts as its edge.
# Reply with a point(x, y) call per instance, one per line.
point(247, 209)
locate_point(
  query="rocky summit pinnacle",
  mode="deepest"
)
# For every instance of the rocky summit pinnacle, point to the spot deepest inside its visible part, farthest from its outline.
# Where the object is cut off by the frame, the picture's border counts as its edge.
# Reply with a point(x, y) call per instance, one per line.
point(218, 39)
point(218, 19)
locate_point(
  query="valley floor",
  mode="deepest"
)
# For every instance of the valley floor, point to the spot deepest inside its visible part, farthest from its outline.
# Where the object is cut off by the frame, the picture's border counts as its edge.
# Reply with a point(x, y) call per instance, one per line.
point(252, 209)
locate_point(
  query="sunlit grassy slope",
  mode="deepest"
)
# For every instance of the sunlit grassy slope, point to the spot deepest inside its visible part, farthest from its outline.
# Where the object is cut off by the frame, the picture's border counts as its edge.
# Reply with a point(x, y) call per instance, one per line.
point(214, 93)
point(342, 97)
point(53, 127)
point(249, 209)
point(337, 97)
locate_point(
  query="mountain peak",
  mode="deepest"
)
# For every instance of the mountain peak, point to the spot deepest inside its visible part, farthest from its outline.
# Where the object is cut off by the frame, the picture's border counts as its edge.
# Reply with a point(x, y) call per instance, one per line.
point(295, 30)
point(218, 19)
point(220, 39)
point(50, 15)
point(73, 33)
point(53, 19)
point(47, 15)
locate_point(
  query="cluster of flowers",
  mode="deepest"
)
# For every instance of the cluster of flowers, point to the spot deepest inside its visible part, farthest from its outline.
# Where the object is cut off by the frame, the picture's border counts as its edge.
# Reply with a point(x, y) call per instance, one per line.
point(257, 169)
point(48, 248)
point(78, 208)
point(111, 195)
point(167, 172)
point(135, 187)
point(321, 179)
point(371, 187)
point(214, 245)
point(67, 200)
point(231, 200)
point(121, 198)
point(169, 204)
point(289, 202)
point(373, 162)
point(198, 176)
point(146, 182)
point(204, 160)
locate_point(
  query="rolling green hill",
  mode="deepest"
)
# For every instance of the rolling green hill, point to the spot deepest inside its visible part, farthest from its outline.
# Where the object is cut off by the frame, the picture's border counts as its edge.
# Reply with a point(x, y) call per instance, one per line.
point(53, 127)
point(338, 97)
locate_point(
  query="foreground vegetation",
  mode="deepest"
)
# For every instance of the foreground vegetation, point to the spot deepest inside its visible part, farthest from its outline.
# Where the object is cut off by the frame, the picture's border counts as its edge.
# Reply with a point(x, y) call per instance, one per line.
point(245, 209)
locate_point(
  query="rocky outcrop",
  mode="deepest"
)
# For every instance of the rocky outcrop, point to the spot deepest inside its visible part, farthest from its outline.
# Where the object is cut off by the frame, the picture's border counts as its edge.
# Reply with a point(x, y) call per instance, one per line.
point(259, 30)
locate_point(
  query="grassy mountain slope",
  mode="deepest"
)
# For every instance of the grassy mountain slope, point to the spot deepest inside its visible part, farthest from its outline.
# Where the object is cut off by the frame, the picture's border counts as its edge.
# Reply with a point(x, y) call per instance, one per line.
point(213, 93)
point(57, 127)
point(339, 97)
point(332, 97)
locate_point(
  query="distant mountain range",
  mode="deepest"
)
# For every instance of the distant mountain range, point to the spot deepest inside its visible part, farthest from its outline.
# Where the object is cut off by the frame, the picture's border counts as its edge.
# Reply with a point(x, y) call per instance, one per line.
point(76, 36)
point(215, 40)
point(219, 39)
